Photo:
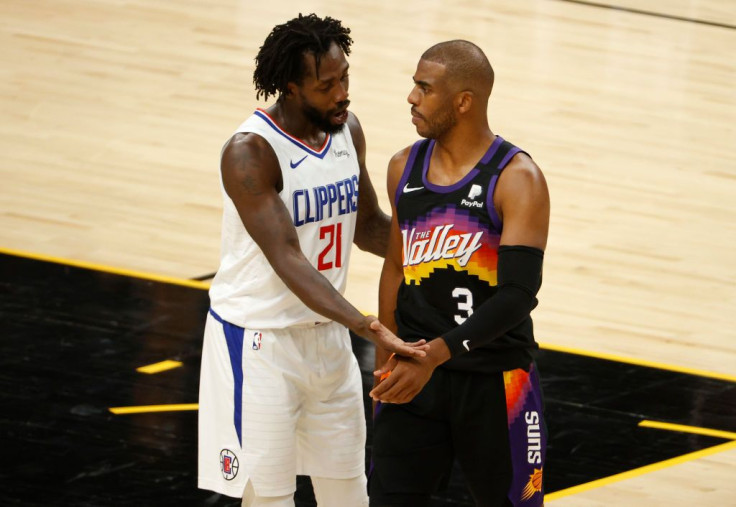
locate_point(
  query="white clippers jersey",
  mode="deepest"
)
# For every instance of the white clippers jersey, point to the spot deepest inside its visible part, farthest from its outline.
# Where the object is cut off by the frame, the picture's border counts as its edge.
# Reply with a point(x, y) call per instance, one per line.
point(321, 193)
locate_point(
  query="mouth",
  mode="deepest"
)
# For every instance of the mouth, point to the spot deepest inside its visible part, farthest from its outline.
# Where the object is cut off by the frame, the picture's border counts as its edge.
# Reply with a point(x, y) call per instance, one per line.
point(341, 116)
point(416, 117)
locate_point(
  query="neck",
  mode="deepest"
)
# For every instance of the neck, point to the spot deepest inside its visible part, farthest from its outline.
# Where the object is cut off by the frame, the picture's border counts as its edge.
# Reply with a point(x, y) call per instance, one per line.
point(457, 152)
point(293, 121)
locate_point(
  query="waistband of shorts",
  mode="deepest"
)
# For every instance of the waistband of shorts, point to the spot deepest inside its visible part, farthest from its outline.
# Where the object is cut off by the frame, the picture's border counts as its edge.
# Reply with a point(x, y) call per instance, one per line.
point(306, 325)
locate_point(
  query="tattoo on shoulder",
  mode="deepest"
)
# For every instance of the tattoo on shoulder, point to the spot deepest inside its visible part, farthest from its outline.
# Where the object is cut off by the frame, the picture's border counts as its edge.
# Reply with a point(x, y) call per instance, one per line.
point(250, 184)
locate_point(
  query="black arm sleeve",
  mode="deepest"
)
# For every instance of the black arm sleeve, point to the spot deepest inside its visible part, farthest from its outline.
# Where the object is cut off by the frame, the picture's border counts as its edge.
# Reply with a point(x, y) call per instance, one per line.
point(519, 278)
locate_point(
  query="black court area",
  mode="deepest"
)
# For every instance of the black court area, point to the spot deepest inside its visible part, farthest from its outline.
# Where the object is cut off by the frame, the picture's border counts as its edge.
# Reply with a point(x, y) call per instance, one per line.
point(72, 338)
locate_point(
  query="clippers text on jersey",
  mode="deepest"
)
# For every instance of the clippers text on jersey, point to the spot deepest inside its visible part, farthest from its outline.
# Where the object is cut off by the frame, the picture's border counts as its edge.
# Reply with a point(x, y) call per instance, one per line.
point(317, 203)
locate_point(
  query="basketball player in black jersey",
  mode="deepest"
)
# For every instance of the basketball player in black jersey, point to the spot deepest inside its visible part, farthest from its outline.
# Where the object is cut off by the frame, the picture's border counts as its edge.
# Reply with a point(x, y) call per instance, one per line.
point(463, 267)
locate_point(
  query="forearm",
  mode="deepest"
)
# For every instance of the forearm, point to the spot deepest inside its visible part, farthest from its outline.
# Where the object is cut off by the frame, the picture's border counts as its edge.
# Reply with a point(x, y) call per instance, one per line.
point(388, 290)
point(519, 278)
point(391, 276)
point(373, 233)
point(491, 320)
point(317, 293)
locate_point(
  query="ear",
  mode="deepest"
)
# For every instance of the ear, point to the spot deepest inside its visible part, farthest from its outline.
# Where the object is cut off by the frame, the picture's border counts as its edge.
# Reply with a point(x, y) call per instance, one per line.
point(464, 101)
point(292, 90)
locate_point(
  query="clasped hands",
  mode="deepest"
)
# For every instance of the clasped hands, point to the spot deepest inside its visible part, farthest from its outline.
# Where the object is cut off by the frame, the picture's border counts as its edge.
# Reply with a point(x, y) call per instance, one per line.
point(401, 378)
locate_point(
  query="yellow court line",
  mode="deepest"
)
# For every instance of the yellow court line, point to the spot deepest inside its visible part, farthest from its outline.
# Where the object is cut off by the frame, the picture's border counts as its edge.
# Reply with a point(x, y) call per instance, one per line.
point(688, 429)
point(142, 409)
point(202, 285)
point(107, 269)
point(169, 364)
point(639, 362)
point(640, 471)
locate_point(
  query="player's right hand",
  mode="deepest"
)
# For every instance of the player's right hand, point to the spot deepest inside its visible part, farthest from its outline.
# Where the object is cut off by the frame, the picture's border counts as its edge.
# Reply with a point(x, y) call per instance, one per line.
point(382, 337)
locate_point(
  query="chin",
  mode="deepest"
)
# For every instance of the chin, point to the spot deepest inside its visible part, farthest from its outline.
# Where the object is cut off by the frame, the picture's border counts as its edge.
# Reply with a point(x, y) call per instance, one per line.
point(332, 128)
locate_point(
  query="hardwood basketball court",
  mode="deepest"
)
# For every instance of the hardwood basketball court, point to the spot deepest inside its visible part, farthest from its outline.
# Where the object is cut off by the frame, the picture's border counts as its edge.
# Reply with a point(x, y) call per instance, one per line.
point(113, 114)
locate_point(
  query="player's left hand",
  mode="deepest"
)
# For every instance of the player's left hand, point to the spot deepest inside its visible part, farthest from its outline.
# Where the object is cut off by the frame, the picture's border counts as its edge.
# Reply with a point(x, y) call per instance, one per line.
point(405, 378)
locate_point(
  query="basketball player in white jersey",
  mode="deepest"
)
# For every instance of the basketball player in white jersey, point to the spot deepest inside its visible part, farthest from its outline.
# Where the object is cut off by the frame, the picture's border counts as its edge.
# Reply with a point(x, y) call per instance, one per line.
point(280, 390)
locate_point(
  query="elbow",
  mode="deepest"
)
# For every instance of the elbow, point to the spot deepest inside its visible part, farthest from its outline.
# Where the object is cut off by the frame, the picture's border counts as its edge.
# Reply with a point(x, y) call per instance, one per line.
point(362, 242)
point(369, 245)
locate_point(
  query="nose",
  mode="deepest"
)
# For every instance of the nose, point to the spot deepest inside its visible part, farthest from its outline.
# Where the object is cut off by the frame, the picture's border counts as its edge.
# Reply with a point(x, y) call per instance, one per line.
point(413, 97)
point(341, 92)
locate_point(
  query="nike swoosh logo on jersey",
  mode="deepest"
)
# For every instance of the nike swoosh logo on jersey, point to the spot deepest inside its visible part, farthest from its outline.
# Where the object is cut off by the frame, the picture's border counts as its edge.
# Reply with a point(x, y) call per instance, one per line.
point(466, 344)
point(408, 189)
point(294, 165)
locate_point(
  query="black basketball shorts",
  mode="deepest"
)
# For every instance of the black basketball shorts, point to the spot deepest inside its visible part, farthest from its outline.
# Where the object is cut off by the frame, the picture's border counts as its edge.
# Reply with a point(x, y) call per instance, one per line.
point(492, 424)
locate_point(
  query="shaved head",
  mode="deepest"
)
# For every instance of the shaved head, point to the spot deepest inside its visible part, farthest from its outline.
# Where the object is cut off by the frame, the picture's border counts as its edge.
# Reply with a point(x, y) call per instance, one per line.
point(466, 66)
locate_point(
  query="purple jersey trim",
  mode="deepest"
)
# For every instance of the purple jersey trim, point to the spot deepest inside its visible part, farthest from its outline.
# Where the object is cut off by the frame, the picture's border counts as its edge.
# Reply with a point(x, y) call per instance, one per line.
point(407, 171)
point(491, 206)
point(439, 188)
point(513, 151)
point(495, 219)
point(495, 145)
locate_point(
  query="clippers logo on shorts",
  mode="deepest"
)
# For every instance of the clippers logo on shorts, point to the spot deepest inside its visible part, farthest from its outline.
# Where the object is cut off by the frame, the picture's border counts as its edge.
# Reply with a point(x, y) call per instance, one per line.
point(229, 464)
point(257, 337)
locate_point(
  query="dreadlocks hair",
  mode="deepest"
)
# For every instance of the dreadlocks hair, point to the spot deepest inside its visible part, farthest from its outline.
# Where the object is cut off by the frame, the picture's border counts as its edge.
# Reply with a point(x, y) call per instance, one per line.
point(280, 60)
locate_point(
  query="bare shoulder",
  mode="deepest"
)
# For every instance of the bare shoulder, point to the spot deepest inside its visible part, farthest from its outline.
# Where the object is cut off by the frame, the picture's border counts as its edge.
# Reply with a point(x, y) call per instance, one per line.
point(354, 124)
point(243, 147)
point(522, 198)
point(356, 131)
point(398, 161)
point(249, 160)
point(396, 169)
point(522, 176)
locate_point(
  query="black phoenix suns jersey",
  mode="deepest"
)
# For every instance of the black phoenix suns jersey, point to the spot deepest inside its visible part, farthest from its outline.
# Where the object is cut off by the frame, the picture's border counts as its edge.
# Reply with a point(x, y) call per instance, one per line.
point(450, 240)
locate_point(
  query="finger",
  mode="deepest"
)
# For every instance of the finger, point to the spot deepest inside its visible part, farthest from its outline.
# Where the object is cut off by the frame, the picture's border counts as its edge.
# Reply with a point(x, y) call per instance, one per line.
point(410, 351)
point(403, 394)
point(375, 325)
point(395, 390)
point(381, 388)
point(401, 348)
point(384, 376)
point(393, 395)
point(389, 365)
point(408, 395)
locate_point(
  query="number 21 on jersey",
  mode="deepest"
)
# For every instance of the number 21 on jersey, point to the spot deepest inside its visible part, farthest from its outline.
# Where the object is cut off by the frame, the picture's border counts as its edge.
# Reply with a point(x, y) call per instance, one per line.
point(331, 255)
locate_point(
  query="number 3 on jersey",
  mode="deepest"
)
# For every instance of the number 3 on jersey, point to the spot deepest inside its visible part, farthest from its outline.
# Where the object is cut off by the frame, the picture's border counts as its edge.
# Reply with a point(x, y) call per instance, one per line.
point(331, 255)
point(464, 303)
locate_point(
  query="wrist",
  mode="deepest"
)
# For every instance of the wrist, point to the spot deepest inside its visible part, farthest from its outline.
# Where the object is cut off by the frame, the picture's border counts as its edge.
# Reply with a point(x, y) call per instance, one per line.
point(362, 326)
point(438, 352)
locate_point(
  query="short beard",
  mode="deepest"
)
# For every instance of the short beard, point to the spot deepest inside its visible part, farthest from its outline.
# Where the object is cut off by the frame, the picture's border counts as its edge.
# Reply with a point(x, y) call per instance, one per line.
point(440, 123)
point(321, 121)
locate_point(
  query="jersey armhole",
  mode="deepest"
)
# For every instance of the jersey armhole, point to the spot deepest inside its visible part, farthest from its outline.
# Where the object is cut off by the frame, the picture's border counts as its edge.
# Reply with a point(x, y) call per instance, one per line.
point(407, 170)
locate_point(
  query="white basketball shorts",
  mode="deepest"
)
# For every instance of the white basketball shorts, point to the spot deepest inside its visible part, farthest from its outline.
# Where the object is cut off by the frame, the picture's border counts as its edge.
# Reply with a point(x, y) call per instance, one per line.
point(276, 403)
